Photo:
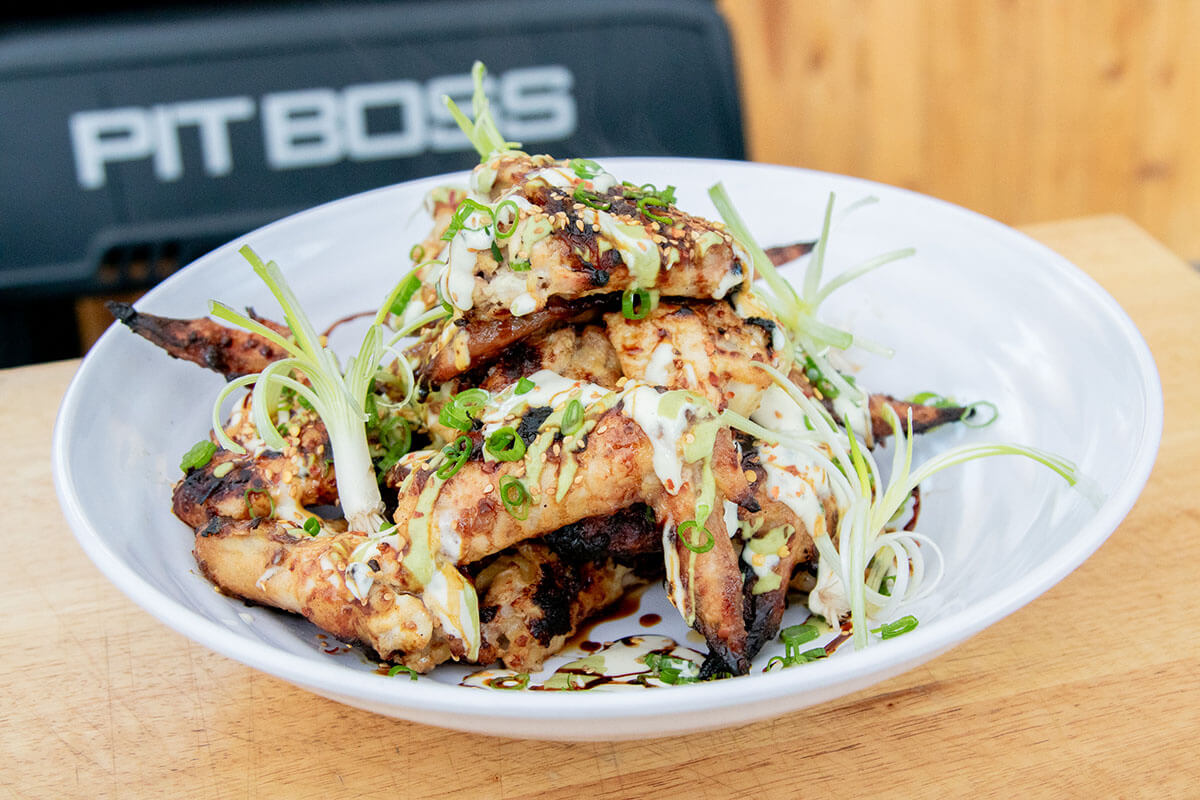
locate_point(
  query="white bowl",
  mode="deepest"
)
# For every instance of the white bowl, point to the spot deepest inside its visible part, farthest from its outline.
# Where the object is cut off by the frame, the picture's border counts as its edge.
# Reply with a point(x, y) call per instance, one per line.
point(982, 312)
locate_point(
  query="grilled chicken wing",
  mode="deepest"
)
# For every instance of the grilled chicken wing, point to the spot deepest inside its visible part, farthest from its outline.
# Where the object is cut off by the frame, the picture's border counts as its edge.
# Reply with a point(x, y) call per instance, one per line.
point(795, 506)
point(553, 235)
point(268, 562)
point(701, 347)
point(614, 469)
point(532, 600)
point(229, 351)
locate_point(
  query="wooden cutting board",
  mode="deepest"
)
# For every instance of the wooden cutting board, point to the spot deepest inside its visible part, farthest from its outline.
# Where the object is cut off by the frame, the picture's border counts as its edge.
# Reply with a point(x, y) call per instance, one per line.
point(1093, 690)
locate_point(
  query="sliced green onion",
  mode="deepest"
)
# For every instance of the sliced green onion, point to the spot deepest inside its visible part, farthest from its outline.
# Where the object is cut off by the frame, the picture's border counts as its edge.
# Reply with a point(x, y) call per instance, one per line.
point(515, 497)
point(198, 455)
point(591, 199)
point(703, 547)
point(519, 266)
point(401, 669)
point(505, 445)
point(642, 204)
point(510, 682)
point(497, 253)
point(636, 304)
point(462, 212)
point(931, 399)
point(222, 469)
point(250, 504)
point(312, 526)
point(585, 168)
point(524, 386)
point(460, 411)
point(796, 635)
point(572, 419)
point(482, 132)
point(632, 192)
point(496, 218)
point(457, 453)
point(417, 253)
point(897, 628)
point(969, 412)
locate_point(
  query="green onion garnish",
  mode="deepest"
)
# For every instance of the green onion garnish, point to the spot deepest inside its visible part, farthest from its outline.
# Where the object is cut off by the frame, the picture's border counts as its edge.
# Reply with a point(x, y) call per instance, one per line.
point(510, 682)
point(519, 266)
point(796, 635)
point(400, 668)
point(703, 547)
point(457, 453)
point(250, 503)
point(524, 386)
point(462, 212)
point(585, 168)
point(417, 253)
point(482, 131)
point(515, 497)
point(505, 445)
point(636, 304)
point(198, 455)
point(931, 399)
point(591, 199)
point(642, 204)
point(939, 401)
point(632, 192)
point(496, 218)
point(407, 289)
point(312, 526)
point(670, 669)
point(460, 411)
point(897, 628)
point(497, 253)
point(969, 412)
point(572, 419)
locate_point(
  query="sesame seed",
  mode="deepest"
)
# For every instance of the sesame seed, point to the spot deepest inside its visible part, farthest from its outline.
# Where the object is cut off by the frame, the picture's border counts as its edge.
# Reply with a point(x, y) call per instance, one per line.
point(751, 477)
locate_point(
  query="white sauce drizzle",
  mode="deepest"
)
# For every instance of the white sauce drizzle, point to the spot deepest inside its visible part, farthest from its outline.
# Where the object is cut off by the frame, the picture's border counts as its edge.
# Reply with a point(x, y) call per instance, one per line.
point(448, 604)
point(359, 580)
point(731, 518)
point(642, 405)
point(523, 304)
point(657, 369)
point(797, 482)
point(828, 597)
point(458, 276)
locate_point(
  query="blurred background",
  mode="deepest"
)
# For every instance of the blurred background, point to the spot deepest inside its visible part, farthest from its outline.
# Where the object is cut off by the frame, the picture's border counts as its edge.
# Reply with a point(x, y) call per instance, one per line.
point(139, 136)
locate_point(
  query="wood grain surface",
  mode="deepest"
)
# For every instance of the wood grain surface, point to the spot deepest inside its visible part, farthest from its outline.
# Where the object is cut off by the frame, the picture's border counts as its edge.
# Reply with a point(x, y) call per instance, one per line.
point(1093, 690)
point(1023, 110)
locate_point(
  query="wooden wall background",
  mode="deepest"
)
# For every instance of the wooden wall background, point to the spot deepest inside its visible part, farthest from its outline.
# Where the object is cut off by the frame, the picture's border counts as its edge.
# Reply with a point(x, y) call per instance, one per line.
point(1024, 110)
